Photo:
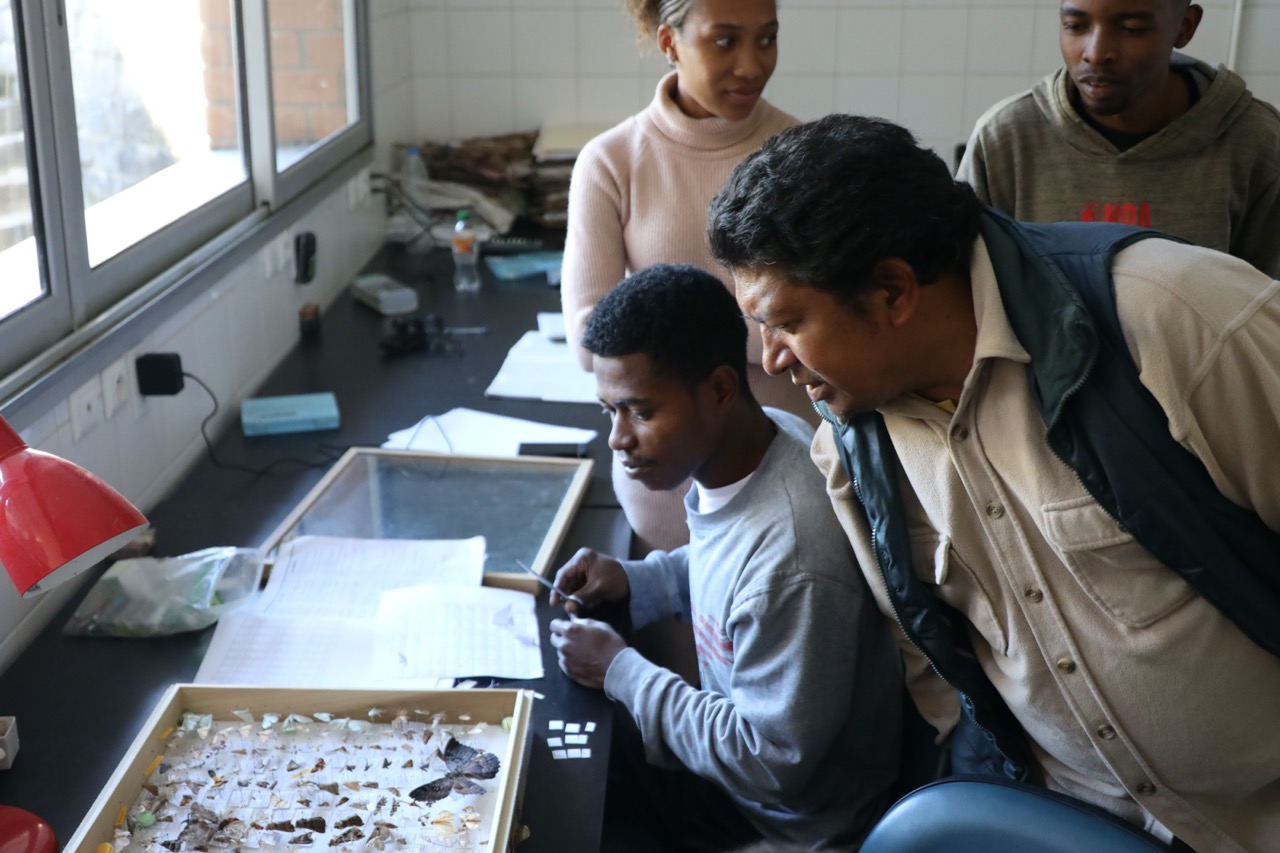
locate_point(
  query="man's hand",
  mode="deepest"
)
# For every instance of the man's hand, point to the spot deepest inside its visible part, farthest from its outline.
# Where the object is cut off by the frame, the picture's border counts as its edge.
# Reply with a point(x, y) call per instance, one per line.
point(594, 579)
point(586, 647)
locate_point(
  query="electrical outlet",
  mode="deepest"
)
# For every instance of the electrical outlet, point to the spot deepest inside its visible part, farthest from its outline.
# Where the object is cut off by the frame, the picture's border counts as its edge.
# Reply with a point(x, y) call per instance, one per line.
point(115, 386)
point(284, 253)
point(364, 181)
point(86, 407)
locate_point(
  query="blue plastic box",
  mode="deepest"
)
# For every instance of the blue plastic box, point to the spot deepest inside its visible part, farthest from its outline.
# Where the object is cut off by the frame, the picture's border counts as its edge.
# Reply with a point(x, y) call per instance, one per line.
point(290, 413)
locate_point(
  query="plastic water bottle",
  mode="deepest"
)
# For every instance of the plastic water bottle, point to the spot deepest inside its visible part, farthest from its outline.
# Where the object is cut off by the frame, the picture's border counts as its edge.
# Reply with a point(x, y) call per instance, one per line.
point(466, 276)
point(413, 179)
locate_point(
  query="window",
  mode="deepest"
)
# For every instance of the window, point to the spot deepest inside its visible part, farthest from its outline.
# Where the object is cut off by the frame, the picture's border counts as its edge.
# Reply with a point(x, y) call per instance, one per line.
point(310, 42)
point(155, 112)
point(135, 132)
point(20, 272)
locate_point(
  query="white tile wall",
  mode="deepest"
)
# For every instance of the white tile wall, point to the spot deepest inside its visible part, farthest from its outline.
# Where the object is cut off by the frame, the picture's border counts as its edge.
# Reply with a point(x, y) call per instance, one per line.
point(999, 40)
point(869, 40)
point(934, 65)
point(605, 42)
point(479, 41)
point(231, 338)
point(933, 41)
point(482, 105)
point(402, 46)
point(816, 30)
point(807, 96)
point(540, 38)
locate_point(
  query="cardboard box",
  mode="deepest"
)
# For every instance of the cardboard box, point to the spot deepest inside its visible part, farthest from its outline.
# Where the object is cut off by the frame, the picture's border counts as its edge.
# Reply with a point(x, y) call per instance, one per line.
point(474, 710)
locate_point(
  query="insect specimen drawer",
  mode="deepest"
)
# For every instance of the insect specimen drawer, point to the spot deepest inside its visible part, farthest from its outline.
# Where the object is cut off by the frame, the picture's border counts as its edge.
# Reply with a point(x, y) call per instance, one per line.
point(262, 769)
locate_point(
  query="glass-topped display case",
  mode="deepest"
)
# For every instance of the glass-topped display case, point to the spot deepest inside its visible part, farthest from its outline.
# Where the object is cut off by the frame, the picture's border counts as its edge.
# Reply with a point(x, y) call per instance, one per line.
point(522, 505)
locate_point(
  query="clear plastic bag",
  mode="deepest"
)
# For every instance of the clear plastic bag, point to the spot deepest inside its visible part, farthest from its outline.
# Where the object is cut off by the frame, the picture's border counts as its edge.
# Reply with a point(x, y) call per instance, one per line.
point(155, 596)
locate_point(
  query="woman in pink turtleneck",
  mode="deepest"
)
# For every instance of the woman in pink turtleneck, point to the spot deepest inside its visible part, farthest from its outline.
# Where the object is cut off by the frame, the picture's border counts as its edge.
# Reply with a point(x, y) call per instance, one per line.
point(640, 191)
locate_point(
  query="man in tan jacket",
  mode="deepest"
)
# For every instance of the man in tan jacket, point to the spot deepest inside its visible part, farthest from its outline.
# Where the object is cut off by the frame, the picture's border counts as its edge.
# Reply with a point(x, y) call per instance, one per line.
point(886, 290)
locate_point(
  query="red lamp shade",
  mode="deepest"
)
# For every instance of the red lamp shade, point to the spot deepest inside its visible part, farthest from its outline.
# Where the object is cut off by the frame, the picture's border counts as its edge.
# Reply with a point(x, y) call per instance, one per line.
point(56, 519)
point(23, 832)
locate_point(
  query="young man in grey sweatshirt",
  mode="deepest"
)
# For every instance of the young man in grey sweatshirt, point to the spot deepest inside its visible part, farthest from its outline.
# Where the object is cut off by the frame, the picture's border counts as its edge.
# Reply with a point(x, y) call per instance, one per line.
point(796, 722)
point(1130, 131)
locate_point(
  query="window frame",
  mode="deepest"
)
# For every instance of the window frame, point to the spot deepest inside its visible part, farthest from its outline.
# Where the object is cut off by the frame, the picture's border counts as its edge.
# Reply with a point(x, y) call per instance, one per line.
point(274, 187)
point(84, 311)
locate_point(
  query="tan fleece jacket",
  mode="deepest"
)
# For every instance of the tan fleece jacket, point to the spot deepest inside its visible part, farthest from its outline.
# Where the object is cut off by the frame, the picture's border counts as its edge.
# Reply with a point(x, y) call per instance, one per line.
point(1135, 692)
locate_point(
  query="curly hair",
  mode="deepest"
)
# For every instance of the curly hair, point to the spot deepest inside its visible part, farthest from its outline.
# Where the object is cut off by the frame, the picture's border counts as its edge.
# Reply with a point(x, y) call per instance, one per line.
point(651, 14)
point(681, 316)
point(826, 200)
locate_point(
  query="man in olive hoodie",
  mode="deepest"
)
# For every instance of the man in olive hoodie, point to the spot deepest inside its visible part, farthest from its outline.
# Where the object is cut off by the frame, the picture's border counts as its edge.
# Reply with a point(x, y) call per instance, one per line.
point(1130, 131)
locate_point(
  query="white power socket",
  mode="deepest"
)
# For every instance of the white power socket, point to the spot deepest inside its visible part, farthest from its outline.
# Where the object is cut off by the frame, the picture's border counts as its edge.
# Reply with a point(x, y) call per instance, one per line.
point(86, 407)
point(115, 386)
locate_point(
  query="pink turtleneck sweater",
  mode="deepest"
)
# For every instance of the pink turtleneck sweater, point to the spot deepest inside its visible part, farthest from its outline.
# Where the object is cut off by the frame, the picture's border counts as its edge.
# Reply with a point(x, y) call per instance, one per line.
point(638, 197)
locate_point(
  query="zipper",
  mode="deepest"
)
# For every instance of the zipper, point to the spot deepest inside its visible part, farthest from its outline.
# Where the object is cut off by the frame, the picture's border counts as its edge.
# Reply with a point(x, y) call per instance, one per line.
point(893, 604)
point(965, 699)
point(875, 553)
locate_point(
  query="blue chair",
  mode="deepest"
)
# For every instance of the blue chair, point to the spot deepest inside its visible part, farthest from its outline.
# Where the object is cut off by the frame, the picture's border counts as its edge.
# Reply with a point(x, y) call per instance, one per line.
point(968, 814)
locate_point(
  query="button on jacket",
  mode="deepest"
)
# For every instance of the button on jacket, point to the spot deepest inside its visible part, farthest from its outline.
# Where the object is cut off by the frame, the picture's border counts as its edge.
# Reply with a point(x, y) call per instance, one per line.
point(1136, 693)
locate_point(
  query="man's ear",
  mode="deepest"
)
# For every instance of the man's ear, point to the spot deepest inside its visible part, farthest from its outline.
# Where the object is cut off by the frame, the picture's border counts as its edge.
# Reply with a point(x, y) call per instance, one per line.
point(896, 288)
point(723, 387)
point(1188, 25)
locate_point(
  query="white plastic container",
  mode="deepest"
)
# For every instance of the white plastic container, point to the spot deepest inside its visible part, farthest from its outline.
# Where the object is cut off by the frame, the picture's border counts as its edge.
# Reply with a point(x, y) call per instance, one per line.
point(466, 272)
point(414, 179)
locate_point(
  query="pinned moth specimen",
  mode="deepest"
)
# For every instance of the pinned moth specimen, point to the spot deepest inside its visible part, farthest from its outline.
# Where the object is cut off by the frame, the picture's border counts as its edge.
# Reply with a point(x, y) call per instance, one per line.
point(463, 764)
point(235, 785)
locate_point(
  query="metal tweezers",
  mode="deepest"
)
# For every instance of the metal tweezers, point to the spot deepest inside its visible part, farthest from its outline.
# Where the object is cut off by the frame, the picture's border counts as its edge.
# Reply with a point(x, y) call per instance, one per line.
point(551, 586)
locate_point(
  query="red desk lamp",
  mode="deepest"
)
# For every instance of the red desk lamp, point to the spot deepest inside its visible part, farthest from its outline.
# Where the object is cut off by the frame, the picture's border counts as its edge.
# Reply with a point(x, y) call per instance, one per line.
point(23, 832)
point(56, 520)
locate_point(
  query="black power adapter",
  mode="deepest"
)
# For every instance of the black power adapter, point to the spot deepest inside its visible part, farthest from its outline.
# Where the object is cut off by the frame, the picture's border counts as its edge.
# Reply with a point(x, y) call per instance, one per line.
point(159, 373)
point(304, 257)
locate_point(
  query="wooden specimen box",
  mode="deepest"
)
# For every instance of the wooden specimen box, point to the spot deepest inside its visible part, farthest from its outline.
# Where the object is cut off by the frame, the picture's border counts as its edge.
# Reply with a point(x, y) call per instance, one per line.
point(231, 768)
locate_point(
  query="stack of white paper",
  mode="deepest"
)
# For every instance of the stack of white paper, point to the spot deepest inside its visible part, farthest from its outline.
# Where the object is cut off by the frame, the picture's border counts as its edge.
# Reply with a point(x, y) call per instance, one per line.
point(475, 433)
point(551, 325)
point(542, 369)
point(341, 612)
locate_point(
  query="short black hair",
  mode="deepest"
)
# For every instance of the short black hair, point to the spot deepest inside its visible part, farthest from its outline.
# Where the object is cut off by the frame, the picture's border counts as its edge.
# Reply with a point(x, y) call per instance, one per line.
point(682, 317)
point(824, 201)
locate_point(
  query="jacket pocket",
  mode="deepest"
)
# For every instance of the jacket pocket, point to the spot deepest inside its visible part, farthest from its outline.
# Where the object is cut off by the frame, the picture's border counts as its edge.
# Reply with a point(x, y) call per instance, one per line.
point(952, 580)
point(1112, 567)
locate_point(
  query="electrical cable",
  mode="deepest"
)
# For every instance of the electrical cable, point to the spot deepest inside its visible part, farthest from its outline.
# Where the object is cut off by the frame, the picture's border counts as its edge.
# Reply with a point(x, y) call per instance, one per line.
point(424, 219)
point(408, 445)
point(329, 460)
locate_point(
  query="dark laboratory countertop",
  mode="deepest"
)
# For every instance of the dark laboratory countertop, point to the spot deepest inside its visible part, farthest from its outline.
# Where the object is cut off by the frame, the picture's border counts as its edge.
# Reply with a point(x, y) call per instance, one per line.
point(79, 702)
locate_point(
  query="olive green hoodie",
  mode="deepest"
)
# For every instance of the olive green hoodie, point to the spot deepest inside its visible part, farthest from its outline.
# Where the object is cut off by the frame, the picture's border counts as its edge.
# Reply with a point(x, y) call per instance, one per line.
point(1212, 176)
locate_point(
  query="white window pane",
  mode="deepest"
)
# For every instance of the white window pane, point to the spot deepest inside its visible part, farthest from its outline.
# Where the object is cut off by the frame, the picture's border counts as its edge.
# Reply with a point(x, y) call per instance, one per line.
point(156, 113)
point(310, 74)
point(21, 282)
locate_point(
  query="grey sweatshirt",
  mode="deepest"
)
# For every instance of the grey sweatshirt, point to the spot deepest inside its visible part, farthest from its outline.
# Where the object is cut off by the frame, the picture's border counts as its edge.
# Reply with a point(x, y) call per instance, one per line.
point(1212, 176)
point(798, 715)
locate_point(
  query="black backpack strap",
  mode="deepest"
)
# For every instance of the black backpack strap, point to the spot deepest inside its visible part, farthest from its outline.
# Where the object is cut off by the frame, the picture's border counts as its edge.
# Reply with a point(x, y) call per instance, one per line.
point(1113, 432)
